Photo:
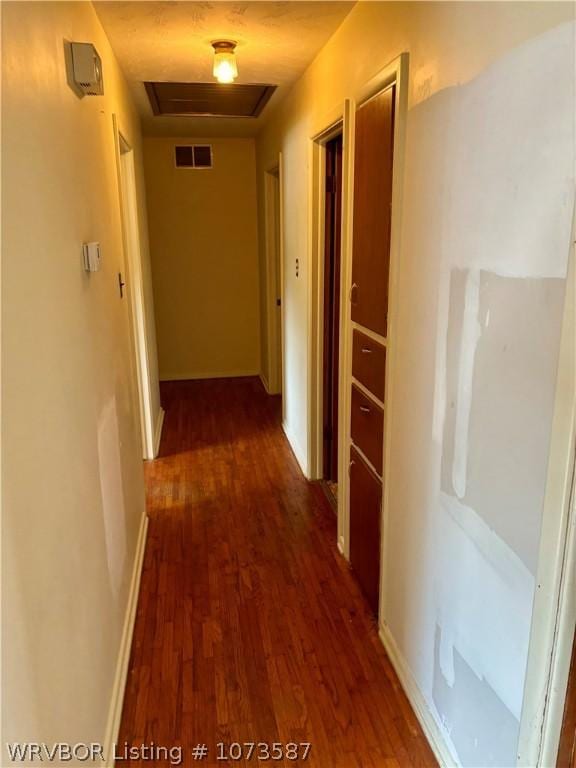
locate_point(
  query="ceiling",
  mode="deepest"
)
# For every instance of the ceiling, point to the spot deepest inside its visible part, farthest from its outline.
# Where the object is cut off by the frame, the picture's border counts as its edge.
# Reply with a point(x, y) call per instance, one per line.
point(170, 41)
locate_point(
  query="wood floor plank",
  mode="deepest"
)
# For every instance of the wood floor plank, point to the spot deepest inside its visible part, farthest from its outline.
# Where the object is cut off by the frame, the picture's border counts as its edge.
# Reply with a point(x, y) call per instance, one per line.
point(250, 626)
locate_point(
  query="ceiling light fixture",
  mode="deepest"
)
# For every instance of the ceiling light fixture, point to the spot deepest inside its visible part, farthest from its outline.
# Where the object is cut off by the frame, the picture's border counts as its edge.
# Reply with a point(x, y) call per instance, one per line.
point(225, 68)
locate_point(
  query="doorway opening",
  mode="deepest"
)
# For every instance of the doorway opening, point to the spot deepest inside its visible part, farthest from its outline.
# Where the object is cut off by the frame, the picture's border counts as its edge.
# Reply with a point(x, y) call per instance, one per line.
point(331, 314)
point(135, 289)
point(273, 368)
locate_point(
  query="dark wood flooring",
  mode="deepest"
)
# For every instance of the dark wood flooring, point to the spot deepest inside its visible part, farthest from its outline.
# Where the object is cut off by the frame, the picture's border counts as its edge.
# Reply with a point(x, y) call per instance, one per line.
point(250, 626)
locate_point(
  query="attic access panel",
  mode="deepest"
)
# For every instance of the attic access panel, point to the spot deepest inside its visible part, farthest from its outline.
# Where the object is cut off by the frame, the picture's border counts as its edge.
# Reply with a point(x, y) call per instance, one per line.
point(208, 99)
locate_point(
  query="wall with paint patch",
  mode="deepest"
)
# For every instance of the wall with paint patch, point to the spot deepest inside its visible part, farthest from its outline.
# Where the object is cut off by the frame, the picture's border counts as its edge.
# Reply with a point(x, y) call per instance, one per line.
point(72, 480)
point(486, 217)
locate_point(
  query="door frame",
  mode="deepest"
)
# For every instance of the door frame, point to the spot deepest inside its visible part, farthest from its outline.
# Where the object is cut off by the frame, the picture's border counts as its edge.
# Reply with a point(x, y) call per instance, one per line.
point(342, 118)
point(334, 126)
point(330, 374)
point(554, 612)
point(274, 261)
point(134, 283)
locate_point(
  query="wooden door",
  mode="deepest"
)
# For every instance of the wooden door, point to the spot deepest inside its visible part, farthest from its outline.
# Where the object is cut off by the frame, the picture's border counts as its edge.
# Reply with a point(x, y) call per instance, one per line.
point(332, 227)
point(365, 502)
point(567, 749)
point(374, 145)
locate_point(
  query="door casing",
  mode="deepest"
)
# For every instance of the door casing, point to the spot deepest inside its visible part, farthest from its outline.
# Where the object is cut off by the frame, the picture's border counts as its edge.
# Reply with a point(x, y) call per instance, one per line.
point(134, 287)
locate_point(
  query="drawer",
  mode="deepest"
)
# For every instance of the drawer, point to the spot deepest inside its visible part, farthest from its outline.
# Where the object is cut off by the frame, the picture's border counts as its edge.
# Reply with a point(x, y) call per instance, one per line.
point(369, 363)
point(367, 427)
point(365, 515)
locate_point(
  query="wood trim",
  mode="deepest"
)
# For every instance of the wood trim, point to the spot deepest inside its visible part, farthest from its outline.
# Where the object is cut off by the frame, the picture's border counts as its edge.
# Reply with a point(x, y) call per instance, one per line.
point(346, 326)
point(234, 100)
point(554, 612)
point(332, 127)
point(370, 333)
point(396, 72)
point(150, 91)
point(193, 375)
point(264, 381)
point(331, 305)
point(273, 261)
point(567, 748)
point(296, 448)
point(158, 431)
point(432, 731)
point(281, 346)
point(364, 389)
point(132, 261)
point(264, 99)
point(119, 687)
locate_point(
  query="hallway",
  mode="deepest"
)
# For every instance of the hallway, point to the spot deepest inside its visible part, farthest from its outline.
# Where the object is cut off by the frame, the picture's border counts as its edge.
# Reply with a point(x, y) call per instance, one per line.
point(249, 625)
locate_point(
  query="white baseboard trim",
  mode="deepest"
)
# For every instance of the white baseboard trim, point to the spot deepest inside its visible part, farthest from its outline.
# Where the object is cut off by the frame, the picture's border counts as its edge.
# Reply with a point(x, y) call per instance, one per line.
point(158, 431)
point(426, 719)
point(117, 700)
point(194, 375)
point(264, 381)
point(296, 449)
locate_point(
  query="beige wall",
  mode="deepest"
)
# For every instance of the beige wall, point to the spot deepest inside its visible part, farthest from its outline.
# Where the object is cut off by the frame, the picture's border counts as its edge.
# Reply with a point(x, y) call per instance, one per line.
point(204, 246)
point(72, 481)
point(486, 215)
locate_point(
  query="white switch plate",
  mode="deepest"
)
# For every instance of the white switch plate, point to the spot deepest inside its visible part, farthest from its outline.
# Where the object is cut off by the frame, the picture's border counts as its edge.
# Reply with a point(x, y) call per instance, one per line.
point(91, 253)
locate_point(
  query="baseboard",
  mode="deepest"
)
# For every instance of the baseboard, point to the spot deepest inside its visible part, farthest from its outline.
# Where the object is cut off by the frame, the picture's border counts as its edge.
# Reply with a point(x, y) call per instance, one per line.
point(429, 725)
point(299, 454)
point(158, 431)
point(194, 375)
point(117, 700)
point(264, 381)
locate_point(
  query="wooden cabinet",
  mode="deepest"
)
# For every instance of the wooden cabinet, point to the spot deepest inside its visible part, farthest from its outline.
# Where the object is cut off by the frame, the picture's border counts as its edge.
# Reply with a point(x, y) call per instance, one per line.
point(369, 363)
point(366, 502)
point(367, 427)
point(373, 158)
point(372, 211)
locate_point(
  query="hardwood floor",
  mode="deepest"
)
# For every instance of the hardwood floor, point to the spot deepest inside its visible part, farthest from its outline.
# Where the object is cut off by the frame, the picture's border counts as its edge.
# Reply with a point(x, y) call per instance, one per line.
point(250, 626)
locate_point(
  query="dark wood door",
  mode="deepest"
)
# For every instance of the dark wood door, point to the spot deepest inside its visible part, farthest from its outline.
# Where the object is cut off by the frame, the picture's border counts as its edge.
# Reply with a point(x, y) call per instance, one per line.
point(374, 145)
point(567, 749)
point(365, 505)
point(333, 221)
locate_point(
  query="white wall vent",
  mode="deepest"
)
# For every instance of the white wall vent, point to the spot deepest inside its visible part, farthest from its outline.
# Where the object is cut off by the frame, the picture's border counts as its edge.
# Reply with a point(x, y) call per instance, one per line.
point(193, 156)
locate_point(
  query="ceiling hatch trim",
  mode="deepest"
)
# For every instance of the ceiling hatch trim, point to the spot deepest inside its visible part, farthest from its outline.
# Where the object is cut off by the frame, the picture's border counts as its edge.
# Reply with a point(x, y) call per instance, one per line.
point(208, 99)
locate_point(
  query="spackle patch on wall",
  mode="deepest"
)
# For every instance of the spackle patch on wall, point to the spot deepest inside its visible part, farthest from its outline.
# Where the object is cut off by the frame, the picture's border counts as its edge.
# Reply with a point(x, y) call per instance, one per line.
point(512, 399)
point(499, 394)
point(484, 713)
point(111, 487)
point(500, 250)
point(485, 613)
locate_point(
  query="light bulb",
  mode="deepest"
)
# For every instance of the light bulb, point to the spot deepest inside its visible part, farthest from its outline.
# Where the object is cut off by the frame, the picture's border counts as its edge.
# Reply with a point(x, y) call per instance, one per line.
point(225, 68)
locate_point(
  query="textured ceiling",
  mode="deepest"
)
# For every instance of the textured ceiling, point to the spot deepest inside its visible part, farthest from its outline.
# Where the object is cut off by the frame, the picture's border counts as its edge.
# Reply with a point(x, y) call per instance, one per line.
point(170, 41)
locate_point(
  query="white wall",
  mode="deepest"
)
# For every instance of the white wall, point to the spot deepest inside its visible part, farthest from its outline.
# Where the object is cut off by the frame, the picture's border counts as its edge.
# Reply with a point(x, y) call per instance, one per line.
point(486, 215)
point(204, 246)
point(72, 480)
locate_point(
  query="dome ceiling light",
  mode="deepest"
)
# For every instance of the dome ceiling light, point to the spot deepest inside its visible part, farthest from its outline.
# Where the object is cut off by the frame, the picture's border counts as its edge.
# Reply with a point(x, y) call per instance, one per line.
point(225, 67)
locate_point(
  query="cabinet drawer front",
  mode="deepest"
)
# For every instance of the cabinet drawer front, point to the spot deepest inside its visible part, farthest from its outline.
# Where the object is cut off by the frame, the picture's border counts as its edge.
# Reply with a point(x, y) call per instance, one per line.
point(367, 427)
point(369, 363)
point(365, 514)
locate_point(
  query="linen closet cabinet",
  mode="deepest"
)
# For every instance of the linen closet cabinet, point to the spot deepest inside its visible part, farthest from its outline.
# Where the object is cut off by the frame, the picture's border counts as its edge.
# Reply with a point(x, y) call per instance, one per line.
point(373, 155)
